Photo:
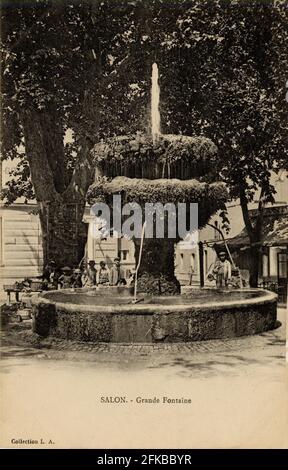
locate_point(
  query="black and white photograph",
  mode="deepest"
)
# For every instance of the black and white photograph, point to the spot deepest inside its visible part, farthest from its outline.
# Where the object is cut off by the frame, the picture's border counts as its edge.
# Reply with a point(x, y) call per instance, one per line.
point(144, 225)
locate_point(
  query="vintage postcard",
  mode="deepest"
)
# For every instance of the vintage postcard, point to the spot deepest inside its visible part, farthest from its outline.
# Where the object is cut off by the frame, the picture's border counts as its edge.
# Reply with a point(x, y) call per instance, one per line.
point(144, 224)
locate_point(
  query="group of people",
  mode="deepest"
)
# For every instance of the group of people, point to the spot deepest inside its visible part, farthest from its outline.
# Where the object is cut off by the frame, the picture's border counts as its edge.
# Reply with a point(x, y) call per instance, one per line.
point(85, 276)
point(88, 275)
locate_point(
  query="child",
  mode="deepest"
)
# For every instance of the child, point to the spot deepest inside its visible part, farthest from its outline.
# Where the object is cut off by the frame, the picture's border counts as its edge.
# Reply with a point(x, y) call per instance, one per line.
point(131, 278)
point(222, 270)
point(66, 278)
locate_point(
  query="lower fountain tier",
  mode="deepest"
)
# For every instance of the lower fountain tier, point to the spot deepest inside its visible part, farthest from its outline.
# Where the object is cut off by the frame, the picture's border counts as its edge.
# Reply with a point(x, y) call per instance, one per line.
point(108, 314)
point(210, 197)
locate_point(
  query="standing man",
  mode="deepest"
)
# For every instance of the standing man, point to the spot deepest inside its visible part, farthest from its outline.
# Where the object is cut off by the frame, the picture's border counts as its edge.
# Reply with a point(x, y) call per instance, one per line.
point(190, 273)
point(89, 275)
point(103, 274)
point(116, 274)
point(222, 270)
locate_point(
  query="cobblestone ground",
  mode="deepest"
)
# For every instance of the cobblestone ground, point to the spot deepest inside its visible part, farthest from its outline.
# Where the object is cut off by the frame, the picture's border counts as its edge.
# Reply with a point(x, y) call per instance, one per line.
point(207, 357)
point(52, 389)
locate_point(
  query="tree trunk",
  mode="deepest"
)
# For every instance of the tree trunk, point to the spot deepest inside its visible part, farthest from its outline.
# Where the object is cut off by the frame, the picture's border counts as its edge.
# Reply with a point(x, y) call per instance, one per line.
point(61, 202)
point(255, 235)
point(255, 254)
point(64, 234)
point(156, 273)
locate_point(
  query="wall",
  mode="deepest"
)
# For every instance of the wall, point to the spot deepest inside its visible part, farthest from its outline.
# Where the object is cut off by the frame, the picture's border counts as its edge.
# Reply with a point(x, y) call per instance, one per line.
point(21, 248)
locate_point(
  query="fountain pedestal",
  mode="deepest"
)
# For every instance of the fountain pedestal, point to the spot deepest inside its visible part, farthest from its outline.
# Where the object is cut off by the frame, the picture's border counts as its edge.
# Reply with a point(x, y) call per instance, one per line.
point(156, 273)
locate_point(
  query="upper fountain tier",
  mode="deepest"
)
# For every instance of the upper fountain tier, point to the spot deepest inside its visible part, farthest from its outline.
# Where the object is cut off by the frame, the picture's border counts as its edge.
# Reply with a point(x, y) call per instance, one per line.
point(170, 156)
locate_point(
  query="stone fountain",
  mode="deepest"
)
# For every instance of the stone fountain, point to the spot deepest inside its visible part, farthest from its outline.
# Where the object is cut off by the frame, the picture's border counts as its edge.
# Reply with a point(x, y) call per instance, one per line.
point(153, 168)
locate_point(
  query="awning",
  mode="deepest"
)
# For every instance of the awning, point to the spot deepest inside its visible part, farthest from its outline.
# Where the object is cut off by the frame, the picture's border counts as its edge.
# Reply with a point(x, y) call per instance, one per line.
point(275, 233)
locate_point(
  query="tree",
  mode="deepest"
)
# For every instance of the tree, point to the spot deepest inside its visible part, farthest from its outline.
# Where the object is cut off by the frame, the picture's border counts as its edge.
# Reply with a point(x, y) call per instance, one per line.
point(234, 93)
point(59, 60)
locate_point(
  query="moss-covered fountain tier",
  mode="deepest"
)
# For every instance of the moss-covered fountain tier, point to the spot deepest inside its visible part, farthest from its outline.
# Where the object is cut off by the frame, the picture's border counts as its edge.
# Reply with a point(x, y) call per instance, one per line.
point(169, 156)
point(172, 169)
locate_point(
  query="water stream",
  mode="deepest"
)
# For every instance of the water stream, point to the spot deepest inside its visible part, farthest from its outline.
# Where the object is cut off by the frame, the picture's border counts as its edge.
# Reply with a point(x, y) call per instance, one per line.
point(155, 101)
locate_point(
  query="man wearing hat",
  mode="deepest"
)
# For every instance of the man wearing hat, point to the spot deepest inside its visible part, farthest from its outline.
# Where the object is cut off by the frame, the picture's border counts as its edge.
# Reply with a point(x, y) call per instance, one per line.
point(50, 275)
point(103, 274)
point(116, 274)
point(222, 270)
point(89, 275)
point(48, 269)
point(77, 278)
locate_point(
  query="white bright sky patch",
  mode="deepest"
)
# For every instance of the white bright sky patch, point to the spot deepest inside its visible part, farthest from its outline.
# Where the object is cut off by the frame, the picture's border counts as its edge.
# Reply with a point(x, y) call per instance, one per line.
point(134, 86)
point(111, 59)
point(68, 137)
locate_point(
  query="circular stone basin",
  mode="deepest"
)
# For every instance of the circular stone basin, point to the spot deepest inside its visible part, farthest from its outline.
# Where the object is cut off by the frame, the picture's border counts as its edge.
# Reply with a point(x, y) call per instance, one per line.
point(108, 314)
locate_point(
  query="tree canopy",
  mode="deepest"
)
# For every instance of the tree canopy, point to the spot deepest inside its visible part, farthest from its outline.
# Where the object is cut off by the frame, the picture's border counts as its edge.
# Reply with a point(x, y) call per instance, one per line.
point(222, 74)
point(86, 65)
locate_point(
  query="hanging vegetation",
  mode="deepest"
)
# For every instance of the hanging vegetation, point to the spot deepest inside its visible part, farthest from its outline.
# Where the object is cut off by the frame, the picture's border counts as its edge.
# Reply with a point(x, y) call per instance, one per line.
point(210, 197)
point(171, 156)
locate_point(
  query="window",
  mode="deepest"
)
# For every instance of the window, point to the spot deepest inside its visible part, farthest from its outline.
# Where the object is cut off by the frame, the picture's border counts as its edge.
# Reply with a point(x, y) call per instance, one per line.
point(265, 265)
point(124, 255)
point(282, 265)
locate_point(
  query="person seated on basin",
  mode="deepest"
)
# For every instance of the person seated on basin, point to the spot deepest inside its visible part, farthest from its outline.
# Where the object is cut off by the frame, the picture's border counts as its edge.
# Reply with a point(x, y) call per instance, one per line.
point(77, 278)
point(89, 275)
point(222, 270)
point(116, 277)
point(65, 280)
point(131, 278)
point(47, 271)
point(54, 277)
point(103, 275)
point(50, 276)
